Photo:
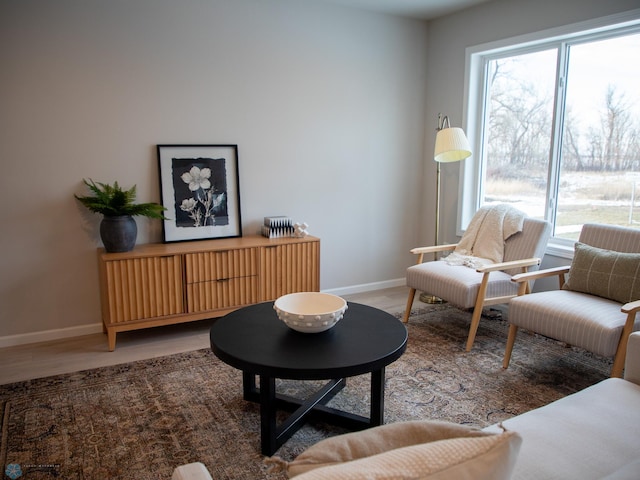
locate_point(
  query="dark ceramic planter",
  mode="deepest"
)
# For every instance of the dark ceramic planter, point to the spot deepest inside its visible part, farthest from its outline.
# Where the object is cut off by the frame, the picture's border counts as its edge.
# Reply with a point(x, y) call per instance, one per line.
point(118, 233)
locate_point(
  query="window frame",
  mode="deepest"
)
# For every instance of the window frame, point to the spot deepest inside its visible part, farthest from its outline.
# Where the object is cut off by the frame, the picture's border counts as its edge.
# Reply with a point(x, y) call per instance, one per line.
point(477, 59)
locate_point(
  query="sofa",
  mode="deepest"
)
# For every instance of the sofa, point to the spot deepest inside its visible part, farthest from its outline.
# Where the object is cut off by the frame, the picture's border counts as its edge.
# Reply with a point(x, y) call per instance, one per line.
point(591, 434)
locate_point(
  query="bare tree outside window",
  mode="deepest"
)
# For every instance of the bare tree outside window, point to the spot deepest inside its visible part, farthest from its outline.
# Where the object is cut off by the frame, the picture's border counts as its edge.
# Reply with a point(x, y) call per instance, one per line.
point(589, 171)
point(518, 130)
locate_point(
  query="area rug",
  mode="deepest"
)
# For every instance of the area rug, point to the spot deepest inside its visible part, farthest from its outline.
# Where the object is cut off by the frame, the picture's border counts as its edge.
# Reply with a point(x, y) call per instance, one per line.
point(141, 420)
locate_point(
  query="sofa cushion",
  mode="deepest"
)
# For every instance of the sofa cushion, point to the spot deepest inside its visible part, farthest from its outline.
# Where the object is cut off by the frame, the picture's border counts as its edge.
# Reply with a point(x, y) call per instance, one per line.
point(418, 449)
point(629, 471)
point(589, 434)
point(605, 273)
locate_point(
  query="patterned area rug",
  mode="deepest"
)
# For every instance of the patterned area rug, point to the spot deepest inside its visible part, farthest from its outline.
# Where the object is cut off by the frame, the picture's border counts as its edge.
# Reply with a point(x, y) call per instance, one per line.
point(141, 420)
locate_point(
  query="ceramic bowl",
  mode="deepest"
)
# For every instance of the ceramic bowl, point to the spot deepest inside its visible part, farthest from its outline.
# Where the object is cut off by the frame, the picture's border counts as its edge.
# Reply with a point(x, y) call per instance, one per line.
point(310, 312)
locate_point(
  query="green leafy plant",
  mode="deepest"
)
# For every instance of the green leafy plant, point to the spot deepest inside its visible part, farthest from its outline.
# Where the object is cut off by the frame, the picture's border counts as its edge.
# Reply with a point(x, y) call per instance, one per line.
point(112, 200)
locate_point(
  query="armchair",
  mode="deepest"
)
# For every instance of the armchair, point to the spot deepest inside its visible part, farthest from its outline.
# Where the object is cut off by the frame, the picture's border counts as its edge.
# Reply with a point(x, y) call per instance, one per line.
point(595, 309)
point(466, 287)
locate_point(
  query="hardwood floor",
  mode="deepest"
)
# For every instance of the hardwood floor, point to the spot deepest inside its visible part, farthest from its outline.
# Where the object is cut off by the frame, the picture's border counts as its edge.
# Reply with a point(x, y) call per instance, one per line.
point(26, 362)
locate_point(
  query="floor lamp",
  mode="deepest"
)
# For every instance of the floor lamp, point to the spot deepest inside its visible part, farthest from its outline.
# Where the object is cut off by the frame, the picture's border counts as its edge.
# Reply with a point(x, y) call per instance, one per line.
point(451, 146)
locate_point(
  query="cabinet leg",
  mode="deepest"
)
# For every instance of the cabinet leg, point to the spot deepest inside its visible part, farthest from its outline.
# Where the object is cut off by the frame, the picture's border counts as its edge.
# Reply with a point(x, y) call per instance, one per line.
point(111, 337)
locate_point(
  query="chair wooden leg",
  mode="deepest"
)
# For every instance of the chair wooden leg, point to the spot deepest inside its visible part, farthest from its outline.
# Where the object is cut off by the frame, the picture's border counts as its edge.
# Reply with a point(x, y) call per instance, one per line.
point(618, 363)
point(621, 352)
point(477, 311)
point(511, 339)
point(407, 312)
point(473, 329)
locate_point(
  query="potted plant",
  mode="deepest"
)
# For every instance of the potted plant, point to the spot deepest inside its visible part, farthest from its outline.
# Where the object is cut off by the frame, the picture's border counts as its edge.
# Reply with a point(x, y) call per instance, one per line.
point(118, 229)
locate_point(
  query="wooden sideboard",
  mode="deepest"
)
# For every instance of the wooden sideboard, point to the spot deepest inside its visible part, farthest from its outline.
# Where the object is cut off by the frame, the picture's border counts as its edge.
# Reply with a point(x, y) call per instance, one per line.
point(163, 284)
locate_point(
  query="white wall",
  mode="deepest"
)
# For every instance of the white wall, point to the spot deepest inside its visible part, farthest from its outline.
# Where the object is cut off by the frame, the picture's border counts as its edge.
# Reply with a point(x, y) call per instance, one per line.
point(325, 103)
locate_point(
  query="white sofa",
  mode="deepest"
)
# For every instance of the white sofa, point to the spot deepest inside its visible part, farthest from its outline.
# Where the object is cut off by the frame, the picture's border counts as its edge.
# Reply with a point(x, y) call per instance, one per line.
point(594, 433)
point(591, 434)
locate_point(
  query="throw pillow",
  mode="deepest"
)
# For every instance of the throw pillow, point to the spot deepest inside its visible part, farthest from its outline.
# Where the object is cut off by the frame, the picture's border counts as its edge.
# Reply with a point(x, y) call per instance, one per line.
point(404, 450)
point(605, 273)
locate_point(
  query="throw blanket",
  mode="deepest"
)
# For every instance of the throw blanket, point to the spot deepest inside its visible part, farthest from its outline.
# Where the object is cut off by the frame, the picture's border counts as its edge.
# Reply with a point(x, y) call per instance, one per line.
point(483, 241)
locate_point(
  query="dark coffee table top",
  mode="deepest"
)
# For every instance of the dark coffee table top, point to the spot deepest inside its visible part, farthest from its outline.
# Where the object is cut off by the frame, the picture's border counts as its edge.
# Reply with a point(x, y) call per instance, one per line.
point(254, 339)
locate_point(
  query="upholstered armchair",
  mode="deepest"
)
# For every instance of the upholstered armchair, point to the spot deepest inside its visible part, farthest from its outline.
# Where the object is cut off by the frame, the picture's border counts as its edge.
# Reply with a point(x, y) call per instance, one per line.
point(595, 308)
point(476, 287)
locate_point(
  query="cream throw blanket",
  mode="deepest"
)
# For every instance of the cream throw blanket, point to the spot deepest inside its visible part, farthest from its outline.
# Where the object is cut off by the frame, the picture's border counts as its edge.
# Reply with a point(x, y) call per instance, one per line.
point(483, 241)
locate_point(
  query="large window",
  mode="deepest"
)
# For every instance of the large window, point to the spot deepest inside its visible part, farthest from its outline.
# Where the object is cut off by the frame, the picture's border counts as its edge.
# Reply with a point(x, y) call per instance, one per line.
point(556, 129)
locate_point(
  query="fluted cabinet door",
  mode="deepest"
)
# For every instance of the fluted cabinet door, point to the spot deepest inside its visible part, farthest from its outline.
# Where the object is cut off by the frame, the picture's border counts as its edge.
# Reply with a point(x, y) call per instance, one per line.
point(289, 268)
point(139, 288)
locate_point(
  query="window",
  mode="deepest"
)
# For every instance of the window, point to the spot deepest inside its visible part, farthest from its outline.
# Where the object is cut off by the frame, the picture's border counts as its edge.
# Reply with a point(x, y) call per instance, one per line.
point(555, 128)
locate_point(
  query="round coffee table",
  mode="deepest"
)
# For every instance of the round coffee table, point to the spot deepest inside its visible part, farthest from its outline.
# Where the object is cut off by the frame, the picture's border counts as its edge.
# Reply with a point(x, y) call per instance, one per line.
point(255, 341)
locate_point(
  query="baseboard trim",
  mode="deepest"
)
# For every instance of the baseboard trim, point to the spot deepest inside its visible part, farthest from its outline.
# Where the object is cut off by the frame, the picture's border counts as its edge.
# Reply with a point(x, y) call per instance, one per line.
point(48, 335)
point(69, 332)
point(367, 287)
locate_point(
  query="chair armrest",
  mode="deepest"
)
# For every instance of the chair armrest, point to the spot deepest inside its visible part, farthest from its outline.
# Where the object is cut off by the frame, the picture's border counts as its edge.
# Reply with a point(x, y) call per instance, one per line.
point(631, 307)
point(632, 362)
point(433, 249)
point(526, 262)
point(547, 272)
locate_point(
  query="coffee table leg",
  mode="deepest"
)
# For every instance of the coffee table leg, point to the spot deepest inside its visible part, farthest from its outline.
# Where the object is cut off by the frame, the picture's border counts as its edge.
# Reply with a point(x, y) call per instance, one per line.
point(268, 430)
point(271, 439)
point(249, 389)
point(377, 397)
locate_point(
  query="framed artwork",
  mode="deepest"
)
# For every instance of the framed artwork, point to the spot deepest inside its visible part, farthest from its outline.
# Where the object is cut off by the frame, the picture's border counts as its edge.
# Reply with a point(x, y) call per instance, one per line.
point(200, 188)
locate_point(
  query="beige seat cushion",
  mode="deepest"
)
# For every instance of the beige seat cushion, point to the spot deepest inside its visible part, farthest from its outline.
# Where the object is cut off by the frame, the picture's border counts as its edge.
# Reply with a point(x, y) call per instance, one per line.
point(570, 317)
point(410, 450)
point(457, 284)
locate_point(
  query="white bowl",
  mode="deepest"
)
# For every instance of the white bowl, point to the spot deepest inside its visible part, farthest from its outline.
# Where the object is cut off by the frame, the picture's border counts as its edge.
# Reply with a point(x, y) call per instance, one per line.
point(310, 312)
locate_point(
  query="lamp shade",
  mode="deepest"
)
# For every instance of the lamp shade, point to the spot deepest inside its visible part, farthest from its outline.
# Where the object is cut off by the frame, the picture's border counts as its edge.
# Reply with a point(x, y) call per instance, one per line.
point(451, 145)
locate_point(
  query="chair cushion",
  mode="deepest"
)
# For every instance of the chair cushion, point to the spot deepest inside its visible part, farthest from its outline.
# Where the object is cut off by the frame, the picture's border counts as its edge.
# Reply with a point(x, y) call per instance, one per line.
point(611, 237)
point(605, 273)
point(583, 320)
point(530, 243)
point(409, 450)
point(457, 284)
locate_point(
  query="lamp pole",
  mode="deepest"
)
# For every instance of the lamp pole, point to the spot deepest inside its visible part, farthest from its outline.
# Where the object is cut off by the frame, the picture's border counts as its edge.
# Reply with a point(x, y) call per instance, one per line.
point(451, 146)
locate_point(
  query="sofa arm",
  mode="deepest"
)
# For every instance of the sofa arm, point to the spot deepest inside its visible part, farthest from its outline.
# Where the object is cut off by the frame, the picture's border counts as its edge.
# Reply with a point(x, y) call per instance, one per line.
point(191, 471)
point(632, 362)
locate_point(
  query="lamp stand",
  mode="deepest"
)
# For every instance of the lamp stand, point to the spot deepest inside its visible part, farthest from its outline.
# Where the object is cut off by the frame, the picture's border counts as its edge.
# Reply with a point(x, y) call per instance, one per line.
point(451, 146)
point(426, 297)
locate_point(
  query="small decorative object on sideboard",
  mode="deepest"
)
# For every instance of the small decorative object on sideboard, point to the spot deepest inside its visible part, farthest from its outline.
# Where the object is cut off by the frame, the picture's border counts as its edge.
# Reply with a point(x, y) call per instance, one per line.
point(300, 230)
point(277, 227)
point(310, 312)
point(118, 229)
